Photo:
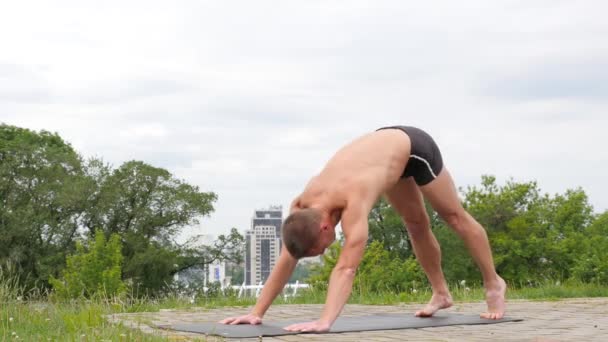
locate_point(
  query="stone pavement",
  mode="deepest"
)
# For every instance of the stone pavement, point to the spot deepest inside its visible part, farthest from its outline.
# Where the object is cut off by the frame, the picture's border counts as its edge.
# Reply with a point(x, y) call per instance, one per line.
point(566, 320)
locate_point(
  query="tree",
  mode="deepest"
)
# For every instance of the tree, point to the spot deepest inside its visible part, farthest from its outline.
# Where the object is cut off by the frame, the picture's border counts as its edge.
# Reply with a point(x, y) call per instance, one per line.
point(152, 269)
point(147, 207)
point(144, 200)
point(386, 227)
point(591, 263)
point(236, 272)
point(534, 237)
point(43, 192)
point(225, 248)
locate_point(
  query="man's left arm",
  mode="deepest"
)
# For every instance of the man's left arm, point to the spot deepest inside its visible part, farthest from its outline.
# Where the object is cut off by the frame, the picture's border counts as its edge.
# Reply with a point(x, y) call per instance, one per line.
point(354, 225)
point(355, 228)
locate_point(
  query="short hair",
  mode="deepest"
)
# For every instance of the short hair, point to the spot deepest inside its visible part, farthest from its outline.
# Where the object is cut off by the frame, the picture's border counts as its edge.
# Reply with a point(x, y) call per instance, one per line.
point(300, 231)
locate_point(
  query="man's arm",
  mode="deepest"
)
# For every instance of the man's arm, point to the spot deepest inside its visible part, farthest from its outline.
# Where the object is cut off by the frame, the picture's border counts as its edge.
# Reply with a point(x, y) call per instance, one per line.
point(276, 282)
point(355, 227)
point(274, 285)
point(279, 276)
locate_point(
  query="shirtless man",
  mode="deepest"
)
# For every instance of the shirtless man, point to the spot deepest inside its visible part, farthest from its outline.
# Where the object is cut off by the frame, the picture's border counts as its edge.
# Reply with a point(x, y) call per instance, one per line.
point(404, 164)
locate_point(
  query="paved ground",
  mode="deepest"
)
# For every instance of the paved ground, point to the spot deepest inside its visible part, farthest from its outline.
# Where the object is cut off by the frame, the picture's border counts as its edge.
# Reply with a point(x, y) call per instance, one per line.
point(568, 320)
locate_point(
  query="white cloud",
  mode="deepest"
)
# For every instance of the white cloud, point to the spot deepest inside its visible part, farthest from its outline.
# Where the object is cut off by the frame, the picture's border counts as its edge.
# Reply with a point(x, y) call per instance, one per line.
point(249, 99)
point(144, 131)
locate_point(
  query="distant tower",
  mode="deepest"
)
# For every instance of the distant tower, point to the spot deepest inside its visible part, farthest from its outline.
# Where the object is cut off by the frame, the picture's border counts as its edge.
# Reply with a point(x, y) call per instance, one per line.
point(263, 244)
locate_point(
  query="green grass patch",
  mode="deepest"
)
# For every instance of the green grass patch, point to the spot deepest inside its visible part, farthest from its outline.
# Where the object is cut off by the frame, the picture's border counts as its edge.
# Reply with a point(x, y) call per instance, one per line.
point(549, 291)
point(77, 321)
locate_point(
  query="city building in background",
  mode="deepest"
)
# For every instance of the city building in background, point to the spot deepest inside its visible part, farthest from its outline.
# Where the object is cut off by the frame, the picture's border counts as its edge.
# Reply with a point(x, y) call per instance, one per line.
point(262, 244)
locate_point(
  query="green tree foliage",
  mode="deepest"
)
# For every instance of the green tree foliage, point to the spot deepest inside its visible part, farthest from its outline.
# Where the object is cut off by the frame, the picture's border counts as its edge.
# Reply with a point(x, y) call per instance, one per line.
point(236, 272)
point(92, 270)
point(386, 226)
point(396, 274)
point(591, 263)
point(151, 268)
point(147, 207)
point(534, 237)
point(145, 201)
point(43, 193)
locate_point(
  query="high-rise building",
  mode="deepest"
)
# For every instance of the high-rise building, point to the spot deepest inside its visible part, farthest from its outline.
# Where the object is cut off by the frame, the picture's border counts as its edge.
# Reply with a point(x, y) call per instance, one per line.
point(262, 244)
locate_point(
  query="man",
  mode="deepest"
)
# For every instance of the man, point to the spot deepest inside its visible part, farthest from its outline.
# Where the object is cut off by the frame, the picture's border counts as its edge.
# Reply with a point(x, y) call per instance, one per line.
point(405, 165)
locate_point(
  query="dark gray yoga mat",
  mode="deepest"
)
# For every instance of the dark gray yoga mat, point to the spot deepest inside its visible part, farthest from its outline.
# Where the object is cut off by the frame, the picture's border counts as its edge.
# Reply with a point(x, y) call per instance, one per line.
point(342, 324)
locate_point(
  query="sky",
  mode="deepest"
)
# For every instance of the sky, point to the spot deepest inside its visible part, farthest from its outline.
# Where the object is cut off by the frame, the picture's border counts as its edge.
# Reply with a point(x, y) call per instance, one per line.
point(249, 99)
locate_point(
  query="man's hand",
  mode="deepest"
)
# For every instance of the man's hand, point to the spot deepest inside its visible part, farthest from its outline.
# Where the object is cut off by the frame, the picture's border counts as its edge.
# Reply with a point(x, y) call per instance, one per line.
point(246, 319)
point(316, 326)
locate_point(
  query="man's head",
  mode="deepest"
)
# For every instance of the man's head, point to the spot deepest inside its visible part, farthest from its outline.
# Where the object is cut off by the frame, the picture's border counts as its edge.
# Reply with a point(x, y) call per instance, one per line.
point(308, 232)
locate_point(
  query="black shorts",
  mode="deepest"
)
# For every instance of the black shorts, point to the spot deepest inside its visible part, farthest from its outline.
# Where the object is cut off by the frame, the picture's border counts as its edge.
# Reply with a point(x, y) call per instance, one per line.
point(425, 161)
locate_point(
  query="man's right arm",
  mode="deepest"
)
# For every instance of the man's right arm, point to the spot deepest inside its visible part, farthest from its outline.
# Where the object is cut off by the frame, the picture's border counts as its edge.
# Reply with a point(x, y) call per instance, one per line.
point(276, 282)
point(274, 285)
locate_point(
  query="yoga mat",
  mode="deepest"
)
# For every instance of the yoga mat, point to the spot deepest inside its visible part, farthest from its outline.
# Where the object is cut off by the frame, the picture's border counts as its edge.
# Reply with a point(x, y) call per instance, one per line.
point(342, 324)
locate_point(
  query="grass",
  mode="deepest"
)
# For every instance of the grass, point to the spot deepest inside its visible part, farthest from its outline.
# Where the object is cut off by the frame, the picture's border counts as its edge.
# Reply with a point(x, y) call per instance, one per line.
point(77, 321)
point(46, 319)
point(41, 318)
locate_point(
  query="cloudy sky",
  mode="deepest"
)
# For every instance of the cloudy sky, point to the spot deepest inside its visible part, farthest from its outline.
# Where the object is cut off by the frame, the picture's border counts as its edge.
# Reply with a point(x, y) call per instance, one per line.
point(249, 98)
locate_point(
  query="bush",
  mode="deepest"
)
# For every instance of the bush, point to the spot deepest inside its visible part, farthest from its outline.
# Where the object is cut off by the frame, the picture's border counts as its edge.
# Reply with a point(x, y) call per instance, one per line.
point(95, 270)
point(379, 271)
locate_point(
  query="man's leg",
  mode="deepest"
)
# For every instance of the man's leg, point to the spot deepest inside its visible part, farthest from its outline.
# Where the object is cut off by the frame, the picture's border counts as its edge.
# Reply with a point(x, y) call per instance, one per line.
point(442, 195)
point(406, 199)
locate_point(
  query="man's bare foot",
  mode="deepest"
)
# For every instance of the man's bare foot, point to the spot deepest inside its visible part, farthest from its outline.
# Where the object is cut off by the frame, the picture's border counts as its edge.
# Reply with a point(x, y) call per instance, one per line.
point(437, 303)
point(495, 298)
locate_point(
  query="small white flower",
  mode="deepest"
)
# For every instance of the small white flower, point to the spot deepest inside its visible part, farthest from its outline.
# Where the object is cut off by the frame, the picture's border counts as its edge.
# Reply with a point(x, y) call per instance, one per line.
point(467, 289)
point(558, 283)
point(10, 319)
point(463, 282)
point(19, 298)
point(14, 333)
point(414, 291)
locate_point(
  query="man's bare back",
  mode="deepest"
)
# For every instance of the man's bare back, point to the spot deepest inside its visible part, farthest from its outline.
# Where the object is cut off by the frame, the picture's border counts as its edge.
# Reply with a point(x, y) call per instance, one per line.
point(360, 171)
